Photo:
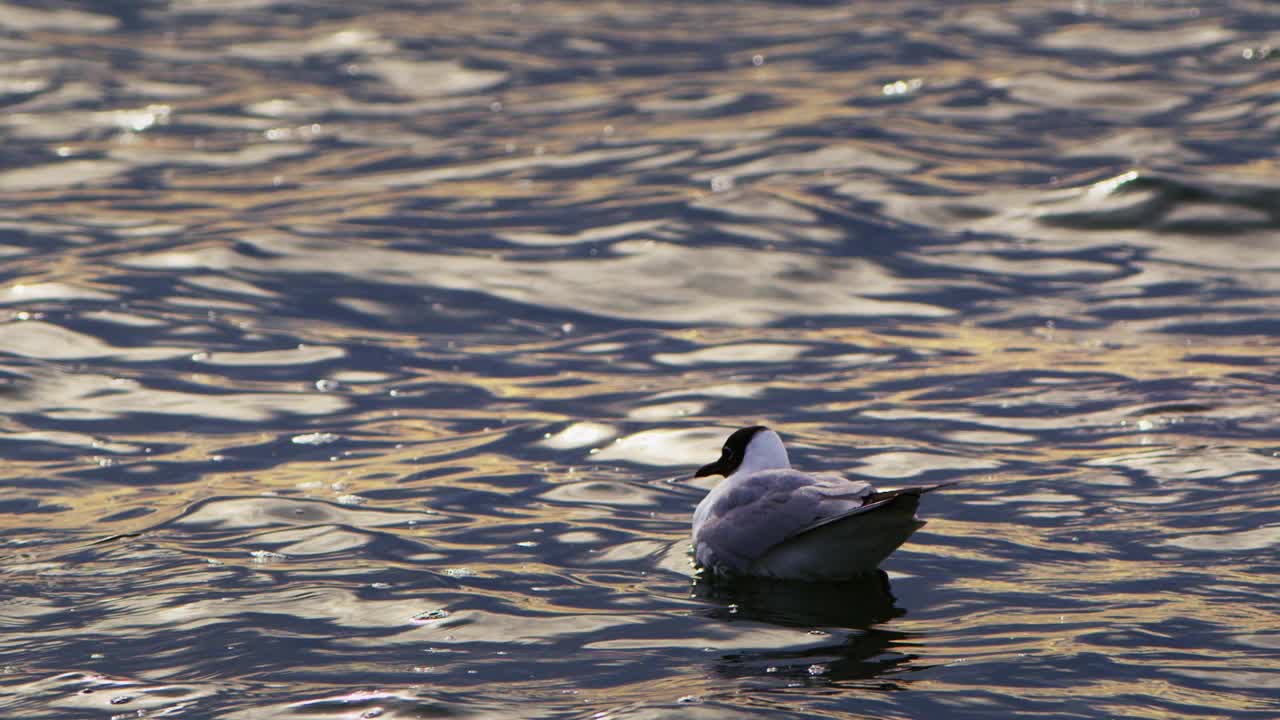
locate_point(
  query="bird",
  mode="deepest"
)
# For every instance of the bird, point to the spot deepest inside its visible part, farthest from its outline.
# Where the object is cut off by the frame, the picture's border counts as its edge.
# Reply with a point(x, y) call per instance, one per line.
point(767, 520)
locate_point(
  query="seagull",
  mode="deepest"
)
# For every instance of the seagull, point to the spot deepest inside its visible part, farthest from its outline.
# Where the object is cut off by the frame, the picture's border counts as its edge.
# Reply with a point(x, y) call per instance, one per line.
point(767, 520)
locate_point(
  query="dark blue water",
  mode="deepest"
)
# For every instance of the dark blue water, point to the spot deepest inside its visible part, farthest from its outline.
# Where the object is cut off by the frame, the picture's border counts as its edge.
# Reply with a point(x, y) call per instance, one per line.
point(356, 357)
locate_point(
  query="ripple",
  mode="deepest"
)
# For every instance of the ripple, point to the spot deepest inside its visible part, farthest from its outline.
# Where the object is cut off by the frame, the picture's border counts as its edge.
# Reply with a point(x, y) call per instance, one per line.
point(240, 513)
point(79, 692)
point(373, 704)
point(689, 448)
point(728, 292)
point(734, 353)
point(432, 79)
point(60, 175)
point(583, 434)
point(1135, 42)
point(1263, 537)
point(606, 493)
point(91, 397)
point(911, 464)
point(51, 342)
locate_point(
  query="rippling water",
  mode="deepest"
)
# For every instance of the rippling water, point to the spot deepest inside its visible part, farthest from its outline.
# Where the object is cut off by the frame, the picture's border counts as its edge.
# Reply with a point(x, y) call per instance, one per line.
point(351, 351)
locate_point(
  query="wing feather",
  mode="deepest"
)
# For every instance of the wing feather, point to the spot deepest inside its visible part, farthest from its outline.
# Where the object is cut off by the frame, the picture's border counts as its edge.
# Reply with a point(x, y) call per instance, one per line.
point(872, 501)
point(743, 520)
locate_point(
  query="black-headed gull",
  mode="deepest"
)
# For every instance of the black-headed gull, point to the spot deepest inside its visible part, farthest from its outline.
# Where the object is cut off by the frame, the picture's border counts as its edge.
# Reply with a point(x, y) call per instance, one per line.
point(765, 519)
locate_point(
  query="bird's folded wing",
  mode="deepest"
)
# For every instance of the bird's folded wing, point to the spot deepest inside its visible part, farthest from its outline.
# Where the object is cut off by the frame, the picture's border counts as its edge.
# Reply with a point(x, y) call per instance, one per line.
point(770, 506)
point(873, 501)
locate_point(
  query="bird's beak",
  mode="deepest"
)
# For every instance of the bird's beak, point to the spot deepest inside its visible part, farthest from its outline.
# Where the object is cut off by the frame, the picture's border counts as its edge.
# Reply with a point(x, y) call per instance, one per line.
point(709, 469)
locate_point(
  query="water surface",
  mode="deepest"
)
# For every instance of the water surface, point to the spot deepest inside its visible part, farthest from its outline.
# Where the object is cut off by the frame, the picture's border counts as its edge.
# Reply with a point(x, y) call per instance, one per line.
point(356, 356)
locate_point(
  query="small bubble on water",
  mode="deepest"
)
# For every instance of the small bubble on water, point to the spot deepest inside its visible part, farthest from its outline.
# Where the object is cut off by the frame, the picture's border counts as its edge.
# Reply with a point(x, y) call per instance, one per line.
point(352, 500)
point(721, 183)
point(327, 385)
point(818, 669)
point(97, 656)
point(121, 699)
point(757, 60)
point(771, 669)
point(689, 699)
point(372, 713)
point(431, 615)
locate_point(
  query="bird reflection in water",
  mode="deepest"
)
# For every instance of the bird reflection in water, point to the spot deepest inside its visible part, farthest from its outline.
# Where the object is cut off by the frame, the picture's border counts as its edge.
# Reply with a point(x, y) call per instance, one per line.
point(849, 610)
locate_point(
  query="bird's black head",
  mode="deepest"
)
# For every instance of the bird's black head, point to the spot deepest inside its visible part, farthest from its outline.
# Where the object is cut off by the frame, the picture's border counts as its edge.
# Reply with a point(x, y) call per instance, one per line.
point(735, 448)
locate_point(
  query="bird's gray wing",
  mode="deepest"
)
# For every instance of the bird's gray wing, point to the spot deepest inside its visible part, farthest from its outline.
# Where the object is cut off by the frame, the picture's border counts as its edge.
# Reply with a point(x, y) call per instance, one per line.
point(765, 508)
point(873, 501)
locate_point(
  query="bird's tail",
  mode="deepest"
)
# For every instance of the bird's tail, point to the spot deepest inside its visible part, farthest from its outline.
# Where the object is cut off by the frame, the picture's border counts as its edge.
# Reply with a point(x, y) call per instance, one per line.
point(920, 490)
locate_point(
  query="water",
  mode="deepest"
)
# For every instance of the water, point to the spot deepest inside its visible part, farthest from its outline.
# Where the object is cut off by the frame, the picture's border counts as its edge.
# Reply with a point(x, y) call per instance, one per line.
point(356, 356)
